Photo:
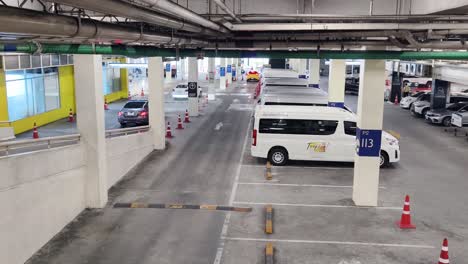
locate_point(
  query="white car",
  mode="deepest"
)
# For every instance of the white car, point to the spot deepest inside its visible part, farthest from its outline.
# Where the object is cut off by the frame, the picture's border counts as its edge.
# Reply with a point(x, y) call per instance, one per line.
point(421, 107)
point(283, 133)
point(408, 101)
point(181, 91)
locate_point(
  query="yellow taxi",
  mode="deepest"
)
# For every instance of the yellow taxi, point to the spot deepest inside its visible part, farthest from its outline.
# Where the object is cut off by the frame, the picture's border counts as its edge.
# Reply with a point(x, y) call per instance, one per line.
point(253, 76)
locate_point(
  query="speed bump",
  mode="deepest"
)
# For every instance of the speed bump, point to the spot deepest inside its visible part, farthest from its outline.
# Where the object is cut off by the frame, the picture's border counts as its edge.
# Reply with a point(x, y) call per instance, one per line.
point(269, 253)
point(209, 207)
point(268, 219)
point(268, 175)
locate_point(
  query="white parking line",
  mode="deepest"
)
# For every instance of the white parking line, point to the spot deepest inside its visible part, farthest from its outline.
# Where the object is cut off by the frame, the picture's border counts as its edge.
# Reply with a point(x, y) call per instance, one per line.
point(320, 205)
point(299, 185)
point(220, 250)
point(350, 243)
point(296, 167)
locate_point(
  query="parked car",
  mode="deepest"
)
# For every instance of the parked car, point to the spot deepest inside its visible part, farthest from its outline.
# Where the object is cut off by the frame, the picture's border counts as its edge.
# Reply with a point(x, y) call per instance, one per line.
point(420, 107)
point(408, 101)
point(444, 116)
point(464, 114)
point(181, 91)
point(134, 112)
point(352, 85)
point(253, 75)
point(283, 133)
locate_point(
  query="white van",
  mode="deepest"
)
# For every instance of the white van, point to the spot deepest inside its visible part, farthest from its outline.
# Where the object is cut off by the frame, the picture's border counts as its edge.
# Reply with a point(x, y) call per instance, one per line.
point(285, 82)
point(283, 133)
point(279, 73)
point(294, 99)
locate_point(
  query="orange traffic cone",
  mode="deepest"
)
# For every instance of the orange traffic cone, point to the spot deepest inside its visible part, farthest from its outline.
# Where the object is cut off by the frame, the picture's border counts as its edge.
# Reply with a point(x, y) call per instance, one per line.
point(142, 92)
point(70, 116)
point(444, 257)
point(187, 118)
point(179, 123)
point(106, 107)
point(405, 221)
point(396, 101)
point(168, 131)
point(35, 132)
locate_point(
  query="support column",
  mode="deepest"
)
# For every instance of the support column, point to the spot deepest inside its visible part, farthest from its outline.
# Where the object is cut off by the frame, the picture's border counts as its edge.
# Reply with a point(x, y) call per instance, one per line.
point(193, 80)
point(182, 72)
point(302, 68)
point(211, 77)
point(369, 133)
point(222, 74)
point(336, 83)
point(229, 70)
point(235, 69)
point(314, 73)
point(156, 101)
point(168, 71)
point(90, 123)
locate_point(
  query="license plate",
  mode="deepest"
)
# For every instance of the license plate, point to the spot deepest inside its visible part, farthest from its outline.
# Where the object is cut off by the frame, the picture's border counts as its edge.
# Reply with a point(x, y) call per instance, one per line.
point(131, 114)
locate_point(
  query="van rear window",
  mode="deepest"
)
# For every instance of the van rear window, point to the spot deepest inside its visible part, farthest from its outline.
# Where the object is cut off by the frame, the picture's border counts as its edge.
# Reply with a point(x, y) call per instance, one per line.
point(298, 126)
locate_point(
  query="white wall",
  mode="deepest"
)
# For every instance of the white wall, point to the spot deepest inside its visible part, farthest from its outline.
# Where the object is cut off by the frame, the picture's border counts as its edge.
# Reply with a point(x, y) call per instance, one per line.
point(40, 193)
point(124, 152)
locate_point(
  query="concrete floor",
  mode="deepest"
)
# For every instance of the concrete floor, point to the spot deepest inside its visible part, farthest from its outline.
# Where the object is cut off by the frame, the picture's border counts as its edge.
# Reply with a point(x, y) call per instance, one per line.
point(315, 219)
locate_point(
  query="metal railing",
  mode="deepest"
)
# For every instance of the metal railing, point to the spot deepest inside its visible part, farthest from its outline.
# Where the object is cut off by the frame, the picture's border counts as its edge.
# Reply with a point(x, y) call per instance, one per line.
point(8, 123)
point(126, 131)
point(29, 145)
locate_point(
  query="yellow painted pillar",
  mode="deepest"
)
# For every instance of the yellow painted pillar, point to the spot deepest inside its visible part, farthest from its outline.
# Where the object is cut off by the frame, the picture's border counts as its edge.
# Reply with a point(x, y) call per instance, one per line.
point(3, 98)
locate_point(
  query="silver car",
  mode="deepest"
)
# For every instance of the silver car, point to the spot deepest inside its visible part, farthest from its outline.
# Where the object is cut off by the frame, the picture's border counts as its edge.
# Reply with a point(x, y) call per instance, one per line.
point(444, 116)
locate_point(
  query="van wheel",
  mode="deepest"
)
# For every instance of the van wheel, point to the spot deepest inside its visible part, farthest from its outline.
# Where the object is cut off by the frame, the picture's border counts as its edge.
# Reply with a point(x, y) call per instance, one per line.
point(278, 156)
point(384, 160)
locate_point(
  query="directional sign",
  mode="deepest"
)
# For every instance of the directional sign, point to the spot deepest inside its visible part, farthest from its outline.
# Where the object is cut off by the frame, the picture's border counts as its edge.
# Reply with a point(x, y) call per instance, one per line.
point(229, 68)
point(168, 67)
point(222, 71)
point(192, 89)
point(368, 142)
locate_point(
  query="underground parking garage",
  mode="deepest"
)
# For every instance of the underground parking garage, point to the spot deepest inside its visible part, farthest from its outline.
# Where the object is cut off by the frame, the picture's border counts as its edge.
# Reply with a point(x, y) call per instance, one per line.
point(233, 131)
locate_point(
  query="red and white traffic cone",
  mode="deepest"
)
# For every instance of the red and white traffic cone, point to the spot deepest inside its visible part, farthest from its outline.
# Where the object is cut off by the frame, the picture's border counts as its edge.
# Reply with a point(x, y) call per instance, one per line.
point(106, 106)
point(405, 221)
point(179, 123)
point(168, 131)
point(227, 83)
point(206, 77)
point(35, 132)
point(129, 97)
point(396, 101)
point(187, 118)
point(444, 256)
point(142, 92)
point(71, 118)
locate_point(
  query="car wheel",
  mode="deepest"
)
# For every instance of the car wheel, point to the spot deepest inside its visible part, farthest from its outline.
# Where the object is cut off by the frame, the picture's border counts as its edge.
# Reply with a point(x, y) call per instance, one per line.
point(413, 112)
point(410, 106)
point(447, 121)
point(424, 112)
point(384, 160)
point(123, 125)
point(278, 156)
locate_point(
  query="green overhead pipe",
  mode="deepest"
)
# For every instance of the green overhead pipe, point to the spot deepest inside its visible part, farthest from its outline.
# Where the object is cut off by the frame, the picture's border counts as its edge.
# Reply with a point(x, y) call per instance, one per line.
point(151, 51)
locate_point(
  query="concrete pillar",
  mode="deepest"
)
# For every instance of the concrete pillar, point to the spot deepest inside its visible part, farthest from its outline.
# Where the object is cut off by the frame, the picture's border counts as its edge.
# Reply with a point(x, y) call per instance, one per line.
point(90, 123)
point(222, 74)
point(302, 68)
point(156, 102)
point(183, 66)
point(314, 73)
point(369, 133)
point(193, 80)
point(168, 70)
point(229, 70)
point(236, 68)
point(211, 73)
point(336, 83)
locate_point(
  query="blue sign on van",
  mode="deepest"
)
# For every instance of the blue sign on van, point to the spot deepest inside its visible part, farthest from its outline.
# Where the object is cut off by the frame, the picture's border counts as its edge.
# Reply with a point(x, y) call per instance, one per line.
point(168, 67)
point(222, 71)
point(368, 142)
point(229, 68)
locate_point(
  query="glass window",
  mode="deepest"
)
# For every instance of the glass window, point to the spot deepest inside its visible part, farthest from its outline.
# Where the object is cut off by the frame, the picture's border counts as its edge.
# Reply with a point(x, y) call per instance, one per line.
point(350, 128)
point(25, 61)
point(295, 126)
point(36, 61)
point(45, 60)
point(55, 59)
point(111, 80)
point(11, 62)
point(134, 105)
point(31, 92)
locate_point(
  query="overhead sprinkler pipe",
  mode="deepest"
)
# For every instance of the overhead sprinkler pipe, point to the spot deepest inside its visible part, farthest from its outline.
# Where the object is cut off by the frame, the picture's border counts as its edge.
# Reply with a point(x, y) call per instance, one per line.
point(151, 51)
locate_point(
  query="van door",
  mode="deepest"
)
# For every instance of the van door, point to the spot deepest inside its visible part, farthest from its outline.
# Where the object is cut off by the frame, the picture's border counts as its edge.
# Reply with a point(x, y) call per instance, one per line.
point(320, 143)
point(348, 134)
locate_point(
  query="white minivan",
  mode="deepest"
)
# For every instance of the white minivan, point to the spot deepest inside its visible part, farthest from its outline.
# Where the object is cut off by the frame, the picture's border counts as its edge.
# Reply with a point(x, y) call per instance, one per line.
point(283, 133)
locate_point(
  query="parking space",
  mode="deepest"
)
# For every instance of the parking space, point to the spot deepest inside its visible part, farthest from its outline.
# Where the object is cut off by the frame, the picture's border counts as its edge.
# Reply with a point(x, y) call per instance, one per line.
point(316, 221)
